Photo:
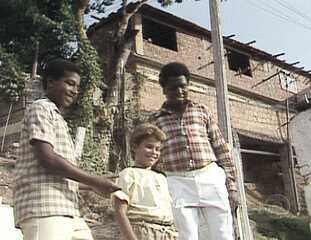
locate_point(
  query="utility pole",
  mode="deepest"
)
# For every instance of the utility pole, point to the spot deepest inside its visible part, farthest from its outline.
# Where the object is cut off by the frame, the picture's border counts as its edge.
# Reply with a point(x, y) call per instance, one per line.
point(241, 221)
point(220, 73)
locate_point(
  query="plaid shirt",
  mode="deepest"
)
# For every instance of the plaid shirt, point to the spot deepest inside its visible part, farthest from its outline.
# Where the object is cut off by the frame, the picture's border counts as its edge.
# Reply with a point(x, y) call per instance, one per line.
point(193, 141)
point(37, 192)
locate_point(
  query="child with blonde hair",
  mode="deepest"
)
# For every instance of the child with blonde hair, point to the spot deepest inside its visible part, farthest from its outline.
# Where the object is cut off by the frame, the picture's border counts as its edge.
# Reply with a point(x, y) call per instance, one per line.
point(143, 207)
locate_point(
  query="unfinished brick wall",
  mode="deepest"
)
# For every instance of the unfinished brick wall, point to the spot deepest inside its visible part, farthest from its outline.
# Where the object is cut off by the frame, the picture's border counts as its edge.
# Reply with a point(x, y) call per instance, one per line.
point(246, 113)
point(194, 50)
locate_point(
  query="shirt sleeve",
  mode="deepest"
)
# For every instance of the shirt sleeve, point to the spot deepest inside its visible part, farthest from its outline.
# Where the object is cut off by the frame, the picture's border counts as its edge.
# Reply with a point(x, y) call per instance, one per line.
point(40, 124)
point(125, 182)
point(222, 151)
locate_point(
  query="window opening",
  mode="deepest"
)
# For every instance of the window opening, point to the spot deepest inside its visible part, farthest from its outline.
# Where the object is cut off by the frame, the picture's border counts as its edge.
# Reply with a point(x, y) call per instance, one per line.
point(159, 34)
point(239, 62)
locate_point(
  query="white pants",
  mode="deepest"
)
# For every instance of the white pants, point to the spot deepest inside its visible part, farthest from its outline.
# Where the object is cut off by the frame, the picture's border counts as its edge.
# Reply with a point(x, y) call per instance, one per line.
point(200, 204)
point(56, 228)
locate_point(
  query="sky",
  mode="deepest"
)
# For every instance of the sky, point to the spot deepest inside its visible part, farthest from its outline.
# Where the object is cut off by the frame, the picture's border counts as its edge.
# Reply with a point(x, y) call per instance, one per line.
point(278, 26)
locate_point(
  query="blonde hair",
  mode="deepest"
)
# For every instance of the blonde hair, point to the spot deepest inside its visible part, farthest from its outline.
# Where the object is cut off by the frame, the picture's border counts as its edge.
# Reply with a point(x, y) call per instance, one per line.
point(145, 130)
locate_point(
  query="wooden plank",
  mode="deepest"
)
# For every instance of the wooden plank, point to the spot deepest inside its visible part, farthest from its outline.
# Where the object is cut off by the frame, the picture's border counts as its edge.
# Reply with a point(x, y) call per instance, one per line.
point(251, 151)
point(242, 213)
point(307, 190)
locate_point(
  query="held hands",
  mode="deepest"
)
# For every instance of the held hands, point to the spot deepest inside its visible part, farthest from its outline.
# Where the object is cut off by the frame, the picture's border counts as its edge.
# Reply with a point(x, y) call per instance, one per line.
point(103, 185)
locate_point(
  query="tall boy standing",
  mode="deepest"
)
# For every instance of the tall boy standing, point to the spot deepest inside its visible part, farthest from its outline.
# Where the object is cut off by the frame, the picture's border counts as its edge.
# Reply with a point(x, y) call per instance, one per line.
point(190, 156)
point(46, 182)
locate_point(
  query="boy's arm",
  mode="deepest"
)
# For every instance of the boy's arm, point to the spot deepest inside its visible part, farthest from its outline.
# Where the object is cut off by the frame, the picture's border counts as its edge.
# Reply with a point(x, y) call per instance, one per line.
point(56, 164)
point(121, 215)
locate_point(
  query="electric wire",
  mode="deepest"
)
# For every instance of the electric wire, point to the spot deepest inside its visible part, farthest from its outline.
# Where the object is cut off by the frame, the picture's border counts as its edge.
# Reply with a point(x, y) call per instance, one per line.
point(278, 14)
point(290, 7)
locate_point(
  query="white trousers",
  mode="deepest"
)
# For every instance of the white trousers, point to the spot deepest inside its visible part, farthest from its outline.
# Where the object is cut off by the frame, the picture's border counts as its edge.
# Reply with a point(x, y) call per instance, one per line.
point(201, 206)
point(56, 228)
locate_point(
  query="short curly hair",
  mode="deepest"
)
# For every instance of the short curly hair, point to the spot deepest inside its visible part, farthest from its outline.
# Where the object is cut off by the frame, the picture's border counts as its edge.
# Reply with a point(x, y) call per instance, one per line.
point(56, 69)
point(144, 130)
point(173, 69)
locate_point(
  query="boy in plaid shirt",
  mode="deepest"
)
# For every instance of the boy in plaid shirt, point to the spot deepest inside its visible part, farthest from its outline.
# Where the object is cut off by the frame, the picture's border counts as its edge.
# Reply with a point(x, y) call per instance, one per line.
point(46, 181)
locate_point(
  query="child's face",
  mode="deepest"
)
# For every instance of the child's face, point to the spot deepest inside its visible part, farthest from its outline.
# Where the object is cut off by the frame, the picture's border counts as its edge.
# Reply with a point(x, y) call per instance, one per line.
point(64, 91)
point(147, 152)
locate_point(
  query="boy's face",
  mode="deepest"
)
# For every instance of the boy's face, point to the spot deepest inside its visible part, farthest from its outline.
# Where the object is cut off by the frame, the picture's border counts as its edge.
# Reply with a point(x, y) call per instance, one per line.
point(176, 90)
point(64, 91)
point(147, 152)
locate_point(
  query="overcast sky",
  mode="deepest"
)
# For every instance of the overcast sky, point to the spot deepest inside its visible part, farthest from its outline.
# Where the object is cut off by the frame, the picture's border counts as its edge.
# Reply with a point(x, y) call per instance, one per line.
point(277, 25)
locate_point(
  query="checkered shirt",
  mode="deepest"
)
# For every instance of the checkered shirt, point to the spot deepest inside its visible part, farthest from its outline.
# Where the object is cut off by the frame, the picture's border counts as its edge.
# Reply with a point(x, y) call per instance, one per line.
point(37, 192)
point(193, 141)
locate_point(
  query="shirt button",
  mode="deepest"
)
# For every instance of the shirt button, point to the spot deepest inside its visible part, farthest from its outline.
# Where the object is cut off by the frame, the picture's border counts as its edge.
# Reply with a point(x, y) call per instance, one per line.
point(191, 163)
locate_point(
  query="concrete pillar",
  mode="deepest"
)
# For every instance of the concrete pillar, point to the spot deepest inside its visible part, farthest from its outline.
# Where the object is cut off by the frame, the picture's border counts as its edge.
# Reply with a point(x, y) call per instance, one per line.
point(139, 43)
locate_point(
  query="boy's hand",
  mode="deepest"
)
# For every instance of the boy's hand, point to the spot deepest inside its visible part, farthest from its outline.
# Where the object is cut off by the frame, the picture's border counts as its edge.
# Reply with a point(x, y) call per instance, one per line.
point(102, 185)
point(234, 200)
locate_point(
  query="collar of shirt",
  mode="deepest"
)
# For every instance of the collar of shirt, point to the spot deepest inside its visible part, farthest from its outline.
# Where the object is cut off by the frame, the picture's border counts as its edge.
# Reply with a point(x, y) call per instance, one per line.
point(166, 110)
point(46, 100)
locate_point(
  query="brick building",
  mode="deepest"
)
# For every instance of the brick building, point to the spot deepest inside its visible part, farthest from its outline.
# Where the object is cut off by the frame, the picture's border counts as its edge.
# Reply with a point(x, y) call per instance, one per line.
point(257, 84)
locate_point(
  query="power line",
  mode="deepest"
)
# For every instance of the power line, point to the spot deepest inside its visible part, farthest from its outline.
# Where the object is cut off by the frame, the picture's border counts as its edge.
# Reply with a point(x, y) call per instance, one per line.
point(278, 14)
point(270, 7)
point(290, 7)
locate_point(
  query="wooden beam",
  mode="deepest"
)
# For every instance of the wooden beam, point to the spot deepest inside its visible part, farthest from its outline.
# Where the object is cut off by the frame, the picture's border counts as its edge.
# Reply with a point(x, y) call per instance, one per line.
point(95, 17)
point(295, 63)
point(278, 55)
point(230, 36)
point(251, 42)
point(251, 151)
point(266, 79)
point(209, 47)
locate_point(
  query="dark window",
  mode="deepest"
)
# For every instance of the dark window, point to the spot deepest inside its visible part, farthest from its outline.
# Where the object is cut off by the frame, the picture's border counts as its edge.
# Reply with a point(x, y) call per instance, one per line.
point(159, 34)
point(239, 62)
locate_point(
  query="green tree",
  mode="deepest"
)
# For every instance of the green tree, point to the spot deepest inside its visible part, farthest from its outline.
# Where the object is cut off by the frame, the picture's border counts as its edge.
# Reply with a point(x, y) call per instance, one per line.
point(59, 29)
point(23, 24)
